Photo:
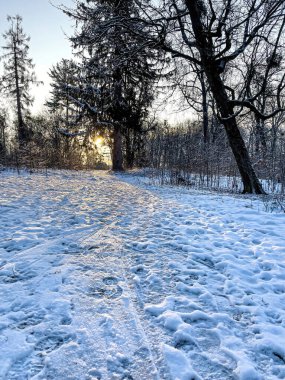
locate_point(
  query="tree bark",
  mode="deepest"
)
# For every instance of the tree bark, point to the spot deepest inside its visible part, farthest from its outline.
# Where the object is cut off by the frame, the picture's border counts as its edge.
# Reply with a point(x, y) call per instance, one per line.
point(117, 156)
point(117, 115)
point(260, 138)
point(205, 110)
point(129, 151)
point(206, 49)
point(22, 132)
point(3, 150)
point(250, 181)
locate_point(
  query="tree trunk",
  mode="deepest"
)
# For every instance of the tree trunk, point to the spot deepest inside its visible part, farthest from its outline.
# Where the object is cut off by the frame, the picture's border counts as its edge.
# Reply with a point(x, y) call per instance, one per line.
point(260, 138)
point(117, 115)
point(129, 150)
point(250, 181)
point(205, 46)
point(22, 131)
point(2, 139)
point(205, 110)
point(117, 155)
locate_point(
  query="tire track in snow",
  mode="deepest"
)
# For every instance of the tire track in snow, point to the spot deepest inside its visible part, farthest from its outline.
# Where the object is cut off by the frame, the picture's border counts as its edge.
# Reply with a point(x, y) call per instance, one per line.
point(124, 347)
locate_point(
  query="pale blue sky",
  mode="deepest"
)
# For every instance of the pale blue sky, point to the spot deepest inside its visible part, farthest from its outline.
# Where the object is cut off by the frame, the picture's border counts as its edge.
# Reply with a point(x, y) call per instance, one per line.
point(46, 26)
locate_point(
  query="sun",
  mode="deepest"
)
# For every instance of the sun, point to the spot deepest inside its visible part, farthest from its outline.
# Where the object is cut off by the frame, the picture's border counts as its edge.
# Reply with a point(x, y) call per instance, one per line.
point(99, 141)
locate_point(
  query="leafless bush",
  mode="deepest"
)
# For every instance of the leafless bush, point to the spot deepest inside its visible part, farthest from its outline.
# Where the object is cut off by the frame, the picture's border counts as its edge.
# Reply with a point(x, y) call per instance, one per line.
point(275, 203)
point(180, 156)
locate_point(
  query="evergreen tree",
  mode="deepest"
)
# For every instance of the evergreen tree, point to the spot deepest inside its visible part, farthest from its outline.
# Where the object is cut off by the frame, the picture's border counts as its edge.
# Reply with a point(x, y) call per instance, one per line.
point(118, 76)
point(18, 73)
point(64, 75)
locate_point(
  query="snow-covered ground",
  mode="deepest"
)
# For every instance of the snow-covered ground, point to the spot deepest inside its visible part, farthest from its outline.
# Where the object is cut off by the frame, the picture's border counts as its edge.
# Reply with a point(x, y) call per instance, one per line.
point(106, 277)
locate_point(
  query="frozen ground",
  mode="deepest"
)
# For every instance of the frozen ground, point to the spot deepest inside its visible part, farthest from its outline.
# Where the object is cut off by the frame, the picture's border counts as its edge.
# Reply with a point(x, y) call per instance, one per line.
point(105, 277)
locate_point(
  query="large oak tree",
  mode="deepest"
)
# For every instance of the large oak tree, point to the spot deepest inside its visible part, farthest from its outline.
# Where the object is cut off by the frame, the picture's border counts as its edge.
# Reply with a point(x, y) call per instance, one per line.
point(214, 35)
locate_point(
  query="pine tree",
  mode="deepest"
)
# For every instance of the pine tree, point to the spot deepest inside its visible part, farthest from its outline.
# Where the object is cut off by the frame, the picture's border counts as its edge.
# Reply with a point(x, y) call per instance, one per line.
point(64, 75)
point(18, 73)
point(119, 76)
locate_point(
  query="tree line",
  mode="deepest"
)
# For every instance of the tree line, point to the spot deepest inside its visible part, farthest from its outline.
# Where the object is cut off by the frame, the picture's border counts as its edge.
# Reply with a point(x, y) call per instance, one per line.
point(222, 58)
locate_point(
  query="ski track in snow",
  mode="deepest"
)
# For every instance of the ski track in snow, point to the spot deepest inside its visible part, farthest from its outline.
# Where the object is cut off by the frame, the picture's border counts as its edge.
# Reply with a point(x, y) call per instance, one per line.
point(105, 277)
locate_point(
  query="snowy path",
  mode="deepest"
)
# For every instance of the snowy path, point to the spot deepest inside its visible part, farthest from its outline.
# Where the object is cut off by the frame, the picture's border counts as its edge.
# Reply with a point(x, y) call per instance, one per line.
point(105, 278)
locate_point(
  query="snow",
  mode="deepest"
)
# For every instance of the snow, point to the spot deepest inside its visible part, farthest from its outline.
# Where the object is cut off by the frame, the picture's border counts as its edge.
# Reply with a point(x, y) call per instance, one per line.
point(109, 277)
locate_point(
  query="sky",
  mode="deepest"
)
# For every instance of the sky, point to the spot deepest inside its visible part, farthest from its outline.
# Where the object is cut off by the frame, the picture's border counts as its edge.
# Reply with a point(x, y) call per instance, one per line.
point(48, 28)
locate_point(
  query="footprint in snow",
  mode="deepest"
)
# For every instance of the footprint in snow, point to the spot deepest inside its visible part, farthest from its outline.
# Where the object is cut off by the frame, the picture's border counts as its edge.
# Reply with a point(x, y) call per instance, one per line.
point(51, 342)
point(31, 366)
point(206, 339)
point(110, 281)
point(107, 288)
point(30, 320)
point(210, 369)
point(184, 344)
point(262, 356)
point(120, 367)
point(24, 276)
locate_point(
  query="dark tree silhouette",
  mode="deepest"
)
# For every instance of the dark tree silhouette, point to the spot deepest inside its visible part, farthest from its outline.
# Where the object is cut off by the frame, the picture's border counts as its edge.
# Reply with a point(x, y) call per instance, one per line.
point(118, 76)
point(214, 35)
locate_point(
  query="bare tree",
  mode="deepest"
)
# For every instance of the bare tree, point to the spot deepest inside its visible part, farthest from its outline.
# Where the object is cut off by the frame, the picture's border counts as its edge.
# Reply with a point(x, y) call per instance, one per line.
point(214, 35)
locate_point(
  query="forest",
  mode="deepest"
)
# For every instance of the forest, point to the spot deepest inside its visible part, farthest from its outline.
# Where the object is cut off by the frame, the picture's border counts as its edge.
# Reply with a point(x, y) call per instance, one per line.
point(142, 203)
point(222, 61)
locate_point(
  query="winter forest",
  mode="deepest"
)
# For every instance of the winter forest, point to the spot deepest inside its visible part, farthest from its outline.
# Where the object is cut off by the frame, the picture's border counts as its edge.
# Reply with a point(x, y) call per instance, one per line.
point(142, 203)
point(225, 69)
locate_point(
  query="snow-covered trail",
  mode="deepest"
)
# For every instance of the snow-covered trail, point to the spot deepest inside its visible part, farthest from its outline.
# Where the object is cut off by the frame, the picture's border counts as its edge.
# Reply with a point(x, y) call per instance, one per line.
point(102, 277)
